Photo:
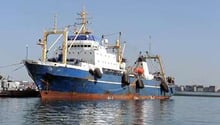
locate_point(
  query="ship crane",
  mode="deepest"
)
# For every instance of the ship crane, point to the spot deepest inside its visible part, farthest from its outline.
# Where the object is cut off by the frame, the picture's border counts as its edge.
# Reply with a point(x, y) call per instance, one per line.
point(157, 57)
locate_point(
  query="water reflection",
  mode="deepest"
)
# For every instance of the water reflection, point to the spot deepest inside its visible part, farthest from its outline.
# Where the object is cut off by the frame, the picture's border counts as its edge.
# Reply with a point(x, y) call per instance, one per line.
point(180, 110)
point(163, 112)
point(100, 112)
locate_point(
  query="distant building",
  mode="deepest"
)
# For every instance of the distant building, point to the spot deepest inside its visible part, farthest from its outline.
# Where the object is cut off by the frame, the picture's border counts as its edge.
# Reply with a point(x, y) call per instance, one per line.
point(178, 88)
point(196, 88)
point(206, 89)
point(200, 88)
point(182, 88)
point(189, 88)
point(211, 88)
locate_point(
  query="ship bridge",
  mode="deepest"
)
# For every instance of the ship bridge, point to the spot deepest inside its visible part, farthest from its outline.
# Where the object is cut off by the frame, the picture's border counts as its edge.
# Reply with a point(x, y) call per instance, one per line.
point(82, 42)
point(86, 48)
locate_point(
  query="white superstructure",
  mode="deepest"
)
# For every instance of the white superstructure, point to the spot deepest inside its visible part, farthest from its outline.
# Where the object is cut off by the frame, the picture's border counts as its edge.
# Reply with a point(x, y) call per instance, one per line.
point(86, 49)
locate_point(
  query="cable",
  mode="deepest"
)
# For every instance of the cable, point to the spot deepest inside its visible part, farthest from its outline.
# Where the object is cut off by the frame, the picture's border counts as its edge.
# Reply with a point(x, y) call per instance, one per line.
point(10, 65)
point(18, 68)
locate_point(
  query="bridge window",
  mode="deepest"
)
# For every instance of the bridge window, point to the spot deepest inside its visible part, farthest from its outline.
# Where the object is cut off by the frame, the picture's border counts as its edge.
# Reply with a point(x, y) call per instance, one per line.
point(82, 37)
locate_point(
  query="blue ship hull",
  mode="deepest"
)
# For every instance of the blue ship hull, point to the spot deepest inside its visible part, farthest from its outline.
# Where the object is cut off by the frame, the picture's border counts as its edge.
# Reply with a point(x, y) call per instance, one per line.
point(64, 82)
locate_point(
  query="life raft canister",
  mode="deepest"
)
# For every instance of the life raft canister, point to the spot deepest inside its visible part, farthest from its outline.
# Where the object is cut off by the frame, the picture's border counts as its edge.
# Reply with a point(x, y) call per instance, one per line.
point(139, 70)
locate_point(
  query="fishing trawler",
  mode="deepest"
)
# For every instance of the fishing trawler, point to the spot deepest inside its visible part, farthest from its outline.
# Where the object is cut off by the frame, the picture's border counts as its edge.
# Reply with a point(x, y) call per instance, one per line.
point(85, 68)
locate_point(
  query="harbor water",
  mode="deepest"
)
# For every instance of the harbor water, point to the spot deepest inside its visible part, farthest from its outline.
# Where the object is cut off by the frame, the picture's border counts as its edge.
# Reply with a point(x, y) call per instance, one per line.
point(175, 111)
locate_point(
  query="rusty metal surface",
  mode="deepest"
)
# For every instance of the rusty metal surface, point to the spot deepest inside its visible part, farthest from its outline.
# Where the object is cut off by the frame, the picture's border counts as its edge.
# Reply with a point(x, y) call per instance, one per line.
point(82, 96)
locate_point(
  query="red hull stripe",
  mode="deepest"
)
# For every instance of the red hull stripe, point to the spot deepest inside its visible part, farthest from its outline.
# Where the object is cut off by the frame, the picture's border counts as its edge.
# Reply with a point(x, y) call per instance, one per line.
point(82, 96)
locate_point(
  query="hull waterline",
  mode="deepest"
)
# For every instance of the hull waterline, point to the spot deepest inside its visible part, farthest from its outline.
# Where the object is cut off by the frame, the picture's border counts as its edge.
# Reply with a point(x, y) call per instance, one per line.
point(51, 95)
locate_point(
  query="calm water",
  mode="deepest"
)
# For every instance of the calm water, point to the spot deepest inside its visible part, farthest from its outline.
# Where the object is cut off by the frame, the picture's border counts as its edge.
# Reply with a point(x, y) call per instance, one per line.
point(176, 111)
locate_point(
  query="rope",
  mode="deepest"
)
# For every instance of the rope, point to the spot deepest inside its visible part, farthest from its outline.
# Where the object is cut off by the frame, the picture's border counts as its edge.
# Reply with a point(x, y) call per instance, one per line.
point(5, 66)
point(18, 68)
point(16, 64)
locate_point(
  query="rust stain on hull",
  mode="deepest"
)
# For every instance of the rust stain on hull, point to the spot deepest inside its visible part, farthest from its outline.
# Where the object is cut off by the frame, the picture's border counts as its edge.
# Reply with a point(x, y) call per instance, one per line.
point(50, 95)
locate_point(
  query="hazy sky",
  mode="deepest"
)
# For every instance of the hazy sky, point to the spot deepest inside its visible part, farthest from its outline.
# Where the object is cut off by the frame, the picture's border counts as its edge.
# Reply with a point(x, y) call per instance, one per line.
point(186, 33)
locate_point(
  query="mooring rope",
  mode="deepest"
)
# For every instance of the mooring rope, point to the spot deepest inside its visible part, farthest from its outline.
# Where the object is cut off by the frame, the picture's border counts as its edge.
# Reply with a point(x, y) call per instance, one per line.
point(18, 68)
point(15, 64)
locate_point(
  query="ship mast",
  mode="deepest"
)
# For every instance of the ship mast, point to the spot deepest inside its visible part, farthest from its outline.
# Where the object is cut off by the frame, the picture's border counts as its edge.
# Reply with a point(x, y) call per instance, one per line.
point(119, 49)
point(84, 22)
